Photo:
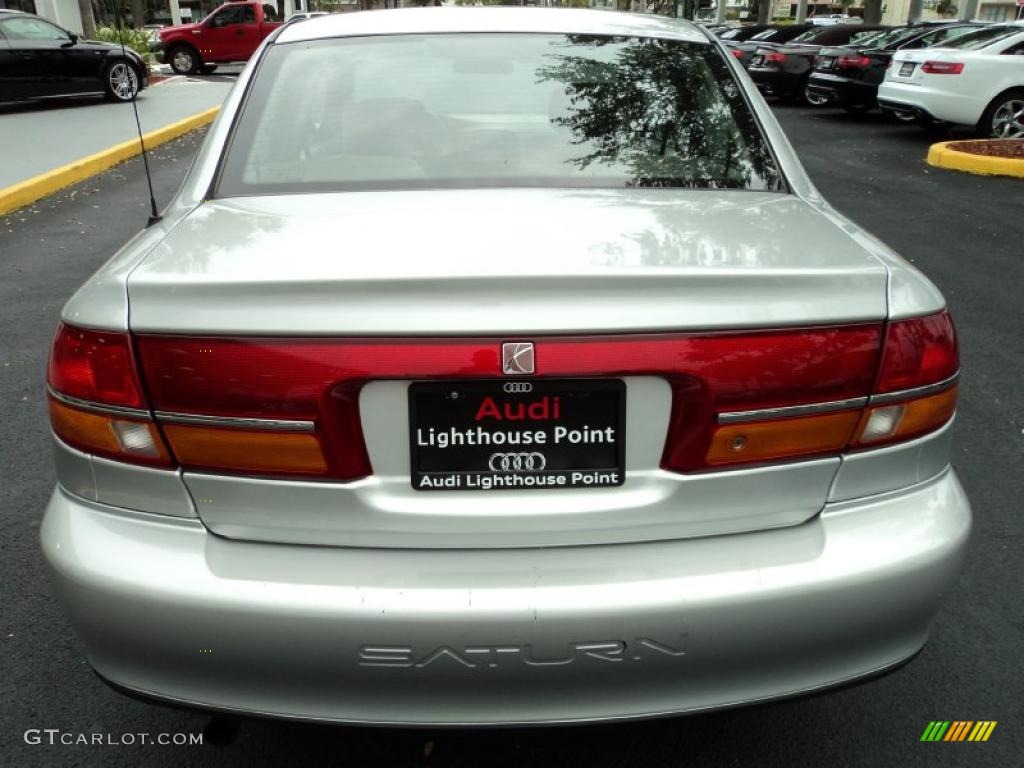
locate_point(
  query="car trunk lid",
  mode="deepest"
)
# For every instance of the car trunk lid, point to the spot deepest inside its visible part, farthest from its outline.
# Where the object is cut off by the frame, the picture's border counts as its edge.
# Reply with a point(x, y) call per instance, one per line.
point(363, 294)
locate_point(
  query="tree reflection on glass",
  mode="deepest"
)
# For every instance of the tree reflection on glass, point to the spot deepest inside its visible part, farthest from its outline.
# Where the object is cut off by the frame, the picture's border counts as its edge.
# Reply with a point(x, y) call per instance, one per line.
point(661, 112)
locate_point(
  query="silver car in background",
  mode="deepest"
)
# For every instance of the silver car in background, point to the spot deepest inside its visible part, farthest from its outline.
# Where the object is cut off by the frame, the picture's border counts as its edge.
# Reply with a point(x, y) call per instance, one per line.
point(500, 366)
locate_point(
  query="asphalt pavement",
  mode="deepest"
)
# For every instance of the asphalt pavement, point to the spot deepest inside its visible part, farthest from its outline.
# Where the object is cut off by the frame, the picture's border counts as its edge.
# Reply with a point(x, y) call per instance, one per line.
point(966, 232)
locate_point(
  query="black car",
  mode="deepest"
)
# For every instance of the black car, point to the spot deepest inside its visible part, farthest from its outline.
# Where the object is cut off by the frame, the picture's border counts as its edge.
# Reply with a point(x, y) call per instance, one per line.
point(40, 60)
point(783, 70)
point(744, 49)
point(849, 76)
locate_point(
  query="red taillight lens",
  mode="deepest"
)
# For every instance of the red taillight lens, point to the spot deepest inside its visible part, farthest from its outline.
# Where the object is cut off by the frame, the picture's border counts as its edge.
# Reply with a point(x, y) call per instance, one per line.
point(942, 67)
point(728, 389)
point(95, 366)
point(96, 402)
point(918, 352)
point(736, 52)
point(916, 392)
point(774, 57)
point(853, 62)
point(319, 381)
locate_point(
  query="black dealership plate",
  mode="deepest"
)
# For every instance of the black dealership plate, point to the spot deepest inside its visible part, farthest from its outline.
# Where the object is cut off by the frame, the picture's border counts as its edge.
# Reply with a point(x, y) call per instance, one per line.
point(907, 69)
point(515, 434)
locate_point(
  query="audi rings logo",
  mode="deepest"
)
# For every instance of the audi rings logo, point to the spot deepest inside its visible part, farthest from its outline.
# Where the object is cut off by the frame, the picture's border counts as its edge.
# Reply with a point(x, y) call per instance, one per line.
point(517, 462)
point(512, 387)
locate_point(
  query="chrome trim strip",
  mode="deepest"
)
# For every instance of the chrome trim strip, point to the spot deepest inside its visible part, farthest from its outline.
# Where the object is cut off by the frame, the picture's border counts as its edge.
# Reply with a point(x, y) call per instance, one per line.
point(276, 425)
point(905, 394)
point(785, 412)
point(107, 410)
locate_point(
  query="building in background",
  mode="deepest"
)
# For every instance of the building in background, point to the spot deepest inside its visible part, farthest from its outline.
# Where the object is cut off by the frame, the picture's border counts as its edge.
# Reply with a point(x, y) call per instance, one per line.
point(64, 13)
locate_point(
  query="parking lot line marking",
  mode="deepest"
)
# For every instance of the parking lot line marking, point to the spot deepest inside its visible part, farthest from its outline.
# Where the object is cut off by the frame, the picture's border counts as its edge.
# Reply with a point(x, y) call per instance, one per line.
point(45, 184)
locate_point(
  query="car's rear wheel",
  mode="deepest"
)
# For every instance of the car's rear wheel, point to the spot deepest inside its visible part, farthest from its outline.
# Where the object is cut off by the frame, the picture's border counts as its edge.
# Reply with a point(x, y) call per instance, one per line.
point(208, 69)
point(121, 81)
point(184, 60)
point(1004, 118)
point(812, 98)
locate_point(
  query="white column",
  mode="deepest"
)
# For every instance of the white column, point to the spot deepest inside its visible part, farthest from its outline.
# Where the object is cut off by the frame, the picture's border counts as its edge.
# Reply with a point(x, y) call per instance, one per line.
point(175, 13)
point(72, 16)
point(801, 11)
point(720, 11)
point(914, 11)
point(48, 10)
point(968, 9)
point(289, 9)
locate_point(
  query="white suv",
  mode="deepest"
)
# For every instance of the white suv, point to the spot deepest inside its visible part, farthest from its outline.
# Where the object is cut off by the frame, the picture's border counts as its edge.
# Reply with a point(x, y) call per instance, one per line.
point(976, 80)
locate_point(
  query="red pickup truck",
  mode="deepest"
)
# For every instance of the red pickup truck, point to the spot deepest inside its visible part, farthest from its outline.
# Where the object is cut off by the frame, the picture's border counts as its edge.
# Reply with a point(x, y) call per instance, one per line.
point(233, 32)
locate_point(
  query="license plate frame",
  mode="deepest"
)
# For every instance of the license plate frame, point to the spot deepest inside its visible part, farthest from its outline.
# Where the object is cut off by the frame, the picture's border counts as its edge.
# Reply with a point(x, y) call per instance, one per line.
point(593, 411)
point(907, 68)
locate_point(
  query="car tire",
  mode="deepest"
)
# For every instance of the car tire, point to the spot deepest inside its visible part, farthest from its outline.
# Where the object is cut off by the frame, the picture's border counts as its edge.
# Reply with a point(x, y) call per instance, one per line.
point(184, 60)
point(120, 81)
point(208, 69)
point(812, 99)
point(1004, 117)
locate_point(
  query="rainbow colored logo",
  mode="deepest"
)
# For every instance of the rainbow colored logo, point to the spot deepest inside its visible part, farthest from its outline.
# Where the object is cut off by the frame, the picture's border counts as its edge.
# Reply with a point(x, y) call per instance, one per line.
point(958, 730)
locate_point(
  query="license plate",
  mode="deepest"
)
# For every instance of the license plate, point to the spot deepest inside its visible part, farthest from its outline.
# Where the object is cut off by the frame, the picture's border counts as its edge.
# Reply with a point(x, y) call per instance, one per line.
point(517, 435)
point(826, 62)
point(907, 69)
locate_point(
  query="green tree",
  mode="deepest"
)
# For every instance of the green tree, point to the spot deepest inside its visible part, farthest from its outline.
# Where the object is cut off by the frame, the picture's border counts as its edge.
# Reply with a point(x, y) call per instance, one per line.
point(642, 110)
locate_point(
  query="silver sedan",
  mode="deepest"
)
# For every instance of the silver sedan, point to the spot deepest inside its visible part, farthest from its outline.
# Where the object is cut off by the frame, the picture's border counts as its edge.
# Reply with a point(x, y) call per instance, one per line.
point(500, 366)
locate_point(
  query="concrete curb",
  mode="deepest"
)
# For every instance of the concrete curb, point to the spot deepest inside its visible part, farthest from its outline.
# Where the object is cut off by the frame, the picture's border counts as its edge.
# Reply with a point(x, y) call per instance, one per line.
point(28, 191)
point(946, 155)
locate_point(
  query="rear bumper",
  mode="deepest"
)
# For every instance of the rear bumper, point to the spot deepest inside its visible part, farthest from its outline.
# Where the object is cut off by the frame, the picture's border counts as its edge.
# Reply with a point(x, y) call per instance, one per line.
point(931, 103)
point(843, 91)
point(893, 107)
point(167, 610)
point(774, 82)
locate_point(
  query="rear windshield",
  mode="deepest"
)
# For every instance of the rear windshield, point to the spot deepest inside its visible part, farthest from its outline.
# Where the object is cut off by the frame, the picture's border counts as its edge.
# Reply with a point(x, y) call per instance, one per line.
point(904, 34)
point(740, 33)
point(811, 34)
point(876, 37)
point(463, 111)
point(983, 37)
point(939, 36)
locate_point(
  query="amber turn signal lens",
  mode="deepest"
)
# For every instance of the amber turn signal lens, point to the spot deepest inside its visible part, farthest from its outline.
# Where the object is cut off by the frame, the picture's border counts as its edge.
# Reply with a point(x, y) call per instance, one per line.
point(902, 421)
point(766, 440)
point(246, 450)
point(107, 435)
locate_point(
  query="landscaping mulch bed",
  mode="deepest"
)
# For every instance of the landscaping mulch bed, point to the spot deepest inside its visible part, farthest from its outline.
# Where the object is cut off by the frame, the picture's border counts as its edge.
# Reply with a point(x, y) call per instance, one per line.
point(1010, 148)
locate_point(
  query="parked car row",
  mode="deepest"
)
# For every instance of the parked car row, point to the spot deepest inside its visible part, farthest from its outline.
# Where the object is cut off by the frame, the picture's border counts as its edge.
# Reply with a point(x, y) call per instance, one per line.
point(961, 72)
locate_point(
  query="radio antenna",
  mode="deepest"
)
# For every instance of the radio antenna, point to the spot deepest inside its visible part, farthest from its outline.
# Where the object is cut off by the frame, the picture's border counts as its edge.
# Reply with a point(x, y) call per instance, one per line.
point(154, 214)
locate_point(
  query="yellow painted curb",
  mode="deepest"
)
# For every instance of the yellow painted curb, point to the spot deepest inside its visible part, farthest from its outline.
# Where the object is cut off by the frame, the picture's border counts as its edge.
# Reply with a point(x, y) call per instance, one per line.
point(946, 155)
point(28, 191)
